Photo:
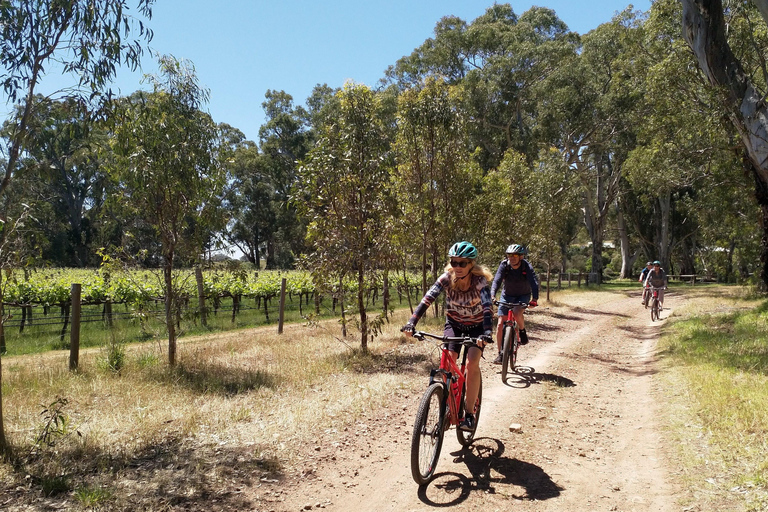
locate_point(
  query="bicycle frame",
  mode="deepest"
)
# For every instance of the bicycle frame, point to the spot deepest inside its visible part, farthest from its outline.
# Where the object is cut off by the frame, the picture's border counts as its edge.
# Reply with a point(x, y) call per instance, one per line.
point(440, 407)
point(452, 376)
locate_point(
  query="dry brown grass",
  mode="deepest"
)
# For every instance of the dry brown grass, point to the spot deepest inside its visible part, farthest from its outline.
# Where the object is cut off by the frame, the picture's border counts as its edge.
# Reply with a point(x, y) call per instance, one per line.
point(239, 406)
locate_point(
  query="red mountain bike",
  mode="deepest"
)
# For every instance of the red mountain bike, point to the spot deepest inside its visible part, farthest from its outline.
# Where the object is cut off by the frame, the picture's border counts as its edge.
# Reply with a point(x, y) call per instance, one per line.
point(510, 338)
point(655, 305)
point(441, 406)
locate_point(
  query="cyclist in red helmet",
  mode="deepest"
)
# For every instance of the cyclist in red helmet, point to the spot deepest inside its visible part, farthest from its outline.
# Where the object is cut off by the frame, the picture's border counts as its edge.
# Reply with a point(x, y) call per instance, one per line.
point(468, 312)
point(518, 283)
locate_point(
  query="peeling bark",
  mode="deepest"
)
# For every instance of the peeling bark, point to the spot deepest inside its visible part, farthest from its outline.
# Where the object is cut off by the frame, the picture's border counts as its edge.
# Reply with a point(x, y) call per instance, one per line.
point(704, 30)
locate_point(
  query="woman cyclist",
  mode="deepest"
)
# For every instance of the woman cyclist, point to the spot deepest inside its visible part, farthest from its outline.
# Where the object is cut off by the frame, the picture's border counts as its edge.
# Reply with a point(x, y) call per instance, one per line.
point(518, 282)
point(467, 311)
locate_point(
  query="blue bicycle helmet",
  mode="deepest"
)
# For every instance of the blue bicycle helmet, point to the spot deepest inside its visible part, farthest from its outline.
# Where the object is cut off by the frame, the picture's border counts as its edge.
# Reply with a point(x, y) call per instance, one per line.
point(516, 249)
point(463, 250)
point(657, 262)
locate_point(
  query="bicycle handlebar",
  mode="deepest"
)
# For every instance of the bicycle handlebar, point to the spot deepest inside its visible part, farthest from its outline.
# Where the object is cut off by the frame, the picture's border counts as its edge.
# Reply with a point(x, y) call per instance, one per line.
point(463, 340)
point(509, 304)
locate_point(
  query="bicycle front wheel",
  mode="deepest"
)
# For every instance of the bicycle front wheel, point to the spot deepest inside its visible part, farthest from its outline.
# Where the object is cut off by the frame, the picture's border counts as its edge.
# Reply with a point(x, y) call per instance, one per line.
point(506, 348)
point(655, 310)
point(465, 437)
point(427, 439)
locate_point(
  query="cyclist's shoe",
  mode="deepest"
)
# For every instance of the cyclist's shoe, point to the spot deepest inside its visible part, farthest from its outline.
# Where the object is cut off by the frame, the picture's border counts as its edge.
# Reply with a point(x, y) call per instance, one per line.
point(523, 337)
point(468, 423)
point(498, 359)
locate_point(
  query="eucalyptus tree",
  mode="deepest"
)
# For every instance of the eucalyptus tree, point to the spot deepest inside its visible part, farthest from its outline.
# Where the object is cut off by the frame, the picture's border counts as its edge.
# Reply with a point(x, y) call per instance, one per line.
point(89, 38)
point(168, 169)
point(64, 152)
point(435, 178)
point(682, 150)
point(249, 202)
point(499, 61)
point(585, 111)
point(341, 189)
point(533, 205)
point(553, 212)
point(729, 44)
point(283, 140)
point(503, 209)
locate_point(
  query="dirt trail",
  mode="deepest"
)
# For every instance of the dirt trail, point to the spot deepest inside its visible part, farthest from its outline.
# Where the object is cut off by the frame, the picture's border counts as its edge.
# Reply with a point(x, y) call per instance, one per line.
point(589, 441)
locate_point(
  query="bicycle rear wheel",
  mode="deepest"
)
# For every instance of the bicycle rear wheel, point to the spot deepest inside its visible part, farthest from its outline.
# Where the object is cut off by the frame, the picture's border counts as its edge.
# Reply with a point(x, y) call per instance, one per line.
point(506, 349)
point(465, 437)
point(513, 350)
point(427, 439)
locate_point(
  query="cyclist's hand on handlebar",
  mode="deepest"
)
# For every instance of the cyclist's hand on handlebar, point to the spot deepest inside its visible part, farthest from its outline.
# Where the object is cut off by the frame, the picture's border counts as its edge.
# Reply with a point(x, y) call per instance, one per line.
point(485, 339)
point(533, 304)
point(408, 329)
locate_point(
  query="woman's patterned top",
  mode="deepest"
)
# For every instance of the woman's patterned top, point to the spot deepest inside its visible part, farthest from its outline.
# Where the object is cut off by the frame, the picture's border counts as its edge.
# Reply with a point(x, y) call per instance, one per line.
point(471, 307)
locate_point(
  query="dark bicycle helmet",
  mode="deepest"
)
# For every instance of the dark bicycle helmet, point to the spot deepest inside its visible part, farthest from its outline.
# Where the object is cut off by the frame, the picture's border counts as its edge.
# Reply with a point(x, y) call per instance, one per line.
point(463, 250)
point(516, 249)
point(657, 262)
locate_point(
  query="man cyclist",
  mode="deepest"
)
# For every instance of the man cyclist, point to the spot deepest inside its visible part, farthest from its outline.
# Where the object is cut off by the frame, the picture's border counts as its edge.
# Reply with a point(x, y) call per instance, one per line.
point(641, 279)
point(658, 279)
point(518, 282)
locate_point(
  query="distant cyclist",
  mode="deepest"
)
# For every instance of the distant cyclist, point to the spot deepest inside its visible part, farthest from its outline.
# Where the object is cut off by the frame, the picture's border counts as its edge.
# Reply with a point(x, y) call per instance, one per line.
point(468, 313)
point(641, 279)
point(658, 279)
point(518, 283)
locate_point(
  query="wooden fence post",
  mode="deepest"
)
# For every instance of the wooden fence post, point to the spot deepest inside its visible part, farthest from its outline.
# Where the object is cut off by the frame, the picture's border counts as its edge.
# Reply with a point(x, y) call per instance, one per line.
point(74, 332)
point(282, 307)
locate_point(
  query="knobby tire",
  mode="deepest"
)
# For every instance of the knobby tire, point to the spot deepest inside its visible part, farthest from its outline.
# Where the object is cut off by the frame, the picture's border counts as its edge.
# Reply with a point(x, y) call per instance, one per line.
point(428, 431)
point(506, 349)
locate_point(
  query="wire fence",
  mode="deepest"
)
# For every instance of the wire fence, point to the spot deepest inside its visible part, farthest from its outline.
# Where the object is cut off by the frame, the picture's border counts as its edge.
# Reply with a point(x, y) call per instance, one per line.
point(34, 328)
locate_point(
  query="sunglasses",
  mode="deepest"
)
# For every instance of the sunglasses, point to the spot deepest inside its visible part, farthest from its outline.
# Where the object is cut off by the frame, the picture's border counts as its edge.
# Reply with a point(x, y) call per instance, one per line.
point(461, 264)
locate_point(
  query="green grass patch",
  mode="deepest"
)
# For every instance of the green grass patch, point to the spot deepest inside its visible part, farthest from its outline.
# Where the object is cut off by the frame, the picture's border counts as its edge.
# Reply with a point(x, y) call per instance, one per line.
point(720, 354)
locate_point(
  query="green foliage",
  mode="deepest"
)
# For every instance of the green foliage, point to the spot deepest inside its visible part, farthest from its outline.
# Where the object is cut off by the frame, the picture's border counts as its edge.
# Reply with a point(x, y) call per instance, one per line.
point(114, 355)
point(92, 497)
point(56, 423)
point(342, 190)
point(435, 180)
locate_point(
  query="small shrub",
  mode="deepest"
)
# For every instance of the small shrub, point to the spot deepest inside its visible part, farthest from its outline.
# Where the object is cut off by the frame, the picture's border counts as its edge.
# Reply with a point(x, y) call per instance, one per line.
point(90, 497)
point(147, 360)
point(56, 423)
point(54, 485)
point(114, 359)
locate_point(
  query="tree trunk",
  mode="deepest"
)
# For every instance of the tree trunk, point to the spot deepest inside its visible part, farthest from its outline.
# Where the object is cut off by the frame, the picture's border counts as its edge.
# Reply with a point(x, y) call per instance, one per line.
point(626, 254)
point(343, 313)
point(385, 295)
point(170, 320)
point(361, 308)
point(704, 30)
point(665, 207)
point(5, 449)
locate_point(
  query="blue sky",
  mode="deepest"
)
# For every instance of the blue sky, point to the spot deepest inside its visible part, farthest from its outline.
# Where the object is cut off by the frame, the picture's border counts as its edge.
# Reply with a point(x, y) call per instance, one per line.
point(242, 48)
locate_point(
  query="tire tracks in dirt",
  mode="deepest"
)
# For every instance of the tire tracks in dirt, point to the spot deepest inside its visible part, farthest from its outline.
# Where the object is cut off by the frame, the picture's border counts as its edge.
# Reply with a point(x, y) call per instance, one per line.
point(589, 437)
